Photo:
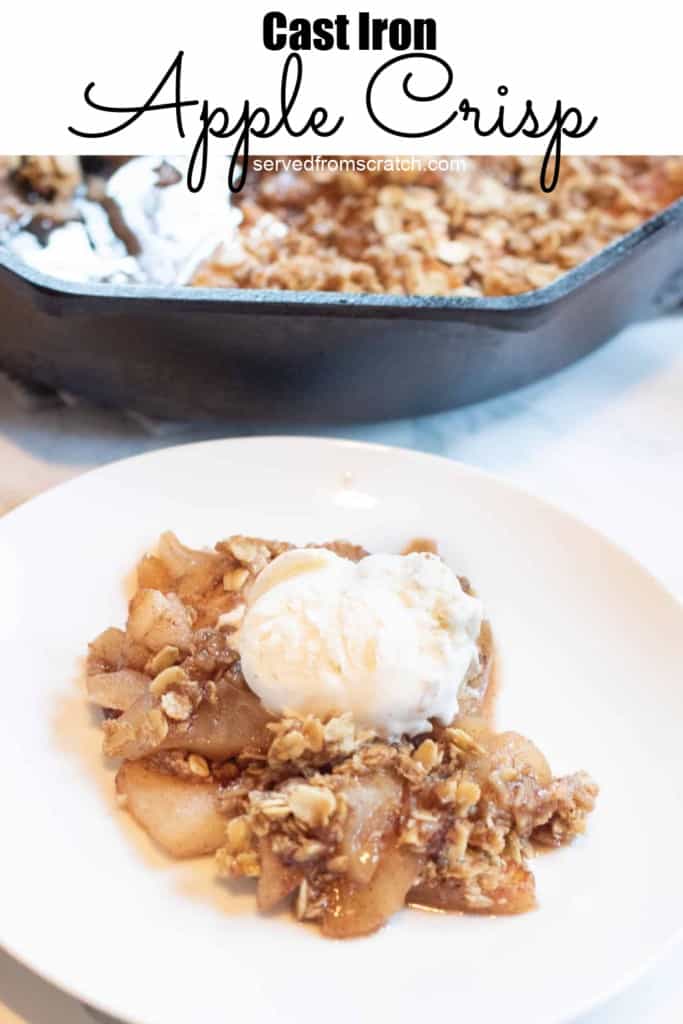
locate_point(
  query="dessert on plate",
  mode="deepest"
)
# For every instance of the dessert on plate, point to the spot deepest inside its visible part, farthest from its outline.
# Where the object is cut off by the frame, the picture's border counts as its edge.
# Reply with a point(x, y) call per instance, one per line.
point(320, 719)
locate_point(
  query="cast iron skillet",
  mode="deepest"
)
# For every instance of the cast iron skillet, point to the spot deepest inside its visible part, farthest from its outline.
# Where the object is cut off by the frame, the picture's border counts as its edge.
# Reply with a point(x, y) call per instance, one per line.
point(312, 357)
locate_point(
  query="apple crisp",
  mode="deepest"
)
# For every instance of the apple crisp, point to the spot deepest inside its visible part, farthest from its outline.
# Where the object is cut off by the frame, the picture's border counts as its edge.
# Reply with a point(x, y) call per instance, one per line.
point(344, 824)
point(483, 232)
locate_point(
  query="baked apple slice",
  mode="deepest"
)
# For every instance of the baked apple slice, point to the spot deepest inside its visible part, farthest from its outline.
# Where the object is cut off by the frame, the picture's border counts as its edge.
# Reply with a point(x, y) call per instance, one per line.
point(217, 729)
point(361, 909)
point(374, 803)
point(515, 752)
point(180, 815)
point(277, 880)
point(118, 690)
point(513, 893)
point(157, 620)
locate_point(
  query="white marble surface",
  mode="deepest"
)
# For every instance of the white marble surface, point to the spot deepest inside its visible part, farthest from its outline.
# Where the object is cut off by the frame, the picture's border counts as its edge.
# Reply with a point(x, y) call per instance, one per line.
point(603, 439)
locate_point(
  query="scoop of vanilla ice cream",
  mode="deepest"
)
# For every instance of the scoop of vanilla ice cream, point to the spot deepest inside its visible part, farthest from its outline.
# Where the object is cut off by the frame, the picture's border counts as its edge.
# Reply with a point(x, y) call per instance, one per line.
point(390, 638)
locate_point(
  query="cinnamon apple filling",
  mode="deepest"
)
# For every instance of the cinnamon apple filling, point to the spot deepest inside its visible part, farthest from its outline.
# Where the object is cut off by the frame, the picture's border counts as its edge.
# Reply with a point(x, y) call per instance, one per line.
point(320, 720)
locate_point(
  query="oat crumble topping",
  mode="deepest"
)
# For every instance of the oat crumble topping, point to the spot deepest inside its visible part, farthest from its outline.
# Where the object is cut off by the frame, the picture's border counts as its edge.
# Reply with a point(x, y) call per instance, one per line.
point(488, 231)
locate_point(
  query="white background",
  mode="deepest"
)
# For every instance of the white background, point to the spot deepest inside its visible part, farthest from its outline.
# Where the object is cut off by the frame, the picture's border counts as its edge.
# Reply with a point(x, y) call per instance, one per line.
point(619, 61)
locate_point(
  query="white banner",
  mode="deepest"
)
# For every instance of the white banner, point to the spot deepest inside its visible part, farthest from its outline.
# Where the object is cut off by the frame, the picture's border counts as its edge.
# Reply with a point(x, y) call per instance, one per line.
point(210, 79)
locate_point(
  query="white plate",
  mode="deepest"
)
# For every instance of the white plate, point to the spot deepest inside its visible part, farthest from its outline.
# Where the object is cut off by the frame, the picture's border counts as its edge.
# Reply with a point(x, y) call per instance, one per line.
point(592, 649)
